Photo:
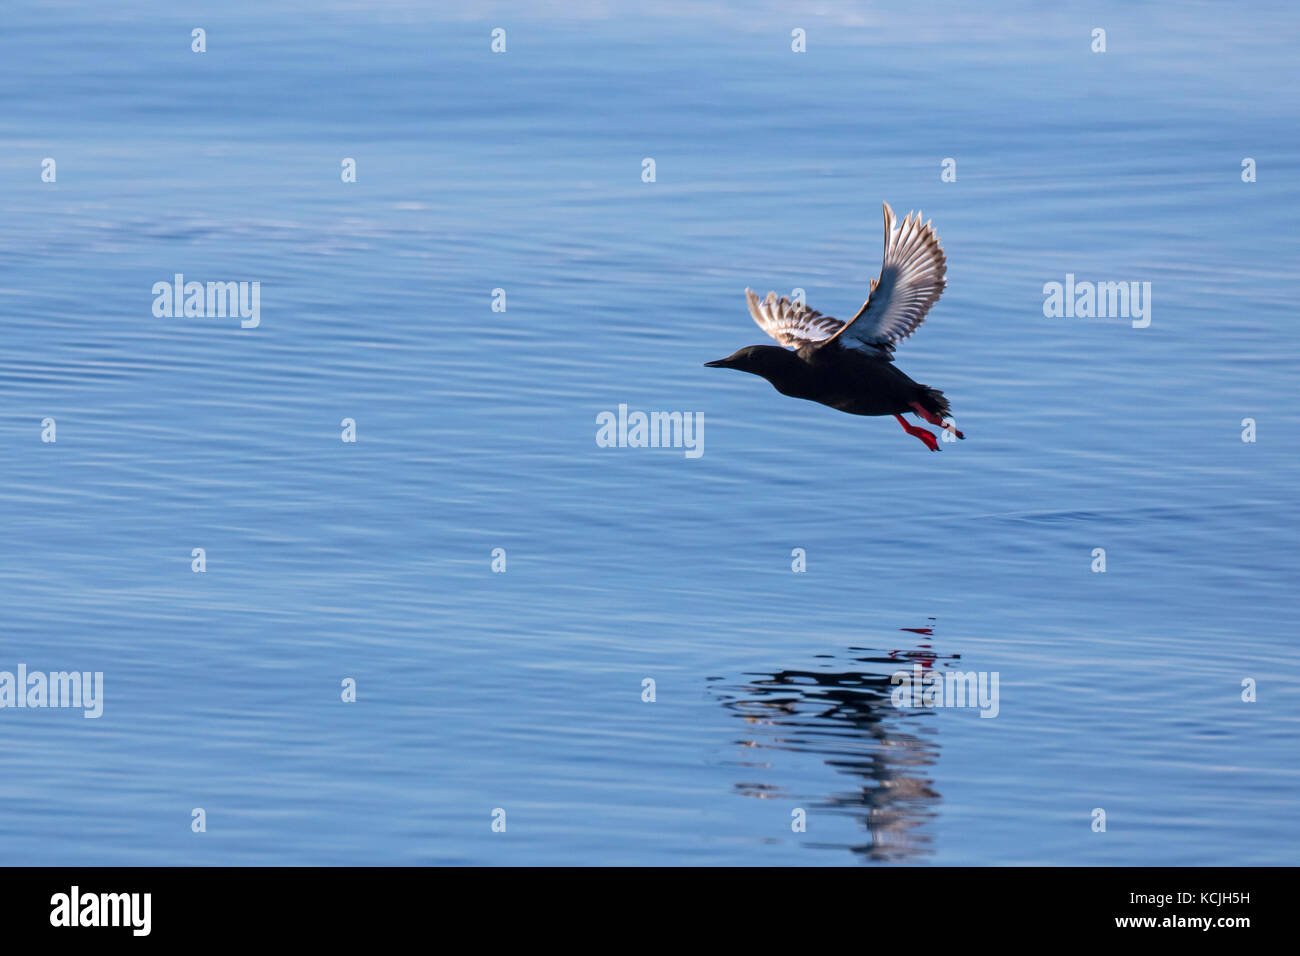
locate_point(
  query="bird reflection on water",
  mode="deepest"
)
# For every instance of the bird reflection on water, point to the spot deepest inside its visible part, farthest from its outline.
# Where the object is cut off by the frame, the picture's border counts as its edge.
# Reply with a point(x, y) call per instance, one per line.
point(844, 714)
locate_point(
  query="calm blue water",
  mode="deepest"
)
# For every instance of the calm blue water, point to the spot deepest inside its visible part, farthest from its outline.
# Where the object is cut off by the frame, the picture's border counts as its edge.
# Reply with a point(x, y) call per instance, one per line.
point(476, 431)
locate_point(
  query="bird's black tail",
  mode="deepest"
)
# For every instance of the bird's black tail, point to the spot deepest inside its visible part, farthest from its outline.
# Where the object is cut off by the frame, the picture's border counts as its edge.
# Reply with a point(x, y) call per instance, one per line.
point(933, 401)
point(931, 405)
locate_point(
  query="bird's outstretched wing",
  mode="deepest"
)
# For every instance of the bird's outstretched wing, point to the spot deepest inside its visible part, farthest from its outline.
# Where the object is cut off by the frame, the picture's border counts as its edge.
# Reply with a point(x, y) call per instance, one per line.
point(791, 323)
point(911, 281)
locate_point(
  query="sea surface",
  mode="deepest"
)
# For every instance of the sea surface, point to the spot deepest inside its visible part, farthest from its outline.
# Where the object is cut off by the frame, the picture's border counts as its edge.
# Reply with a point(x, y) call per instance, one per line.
point(564, 653)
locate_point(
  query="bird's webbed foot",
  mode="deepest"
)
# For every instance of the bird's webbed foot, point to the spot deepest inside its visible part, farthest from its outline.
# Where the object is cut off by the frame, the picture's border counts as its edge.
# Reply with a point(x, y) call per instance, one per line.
point(927, 436)
point(934, 419)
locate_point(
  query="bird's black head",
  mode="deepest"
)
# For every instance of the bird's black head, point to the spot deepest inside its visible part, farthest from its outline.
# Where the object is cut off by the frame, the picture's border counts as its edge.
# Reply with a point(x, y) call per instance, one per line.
point(764, 360)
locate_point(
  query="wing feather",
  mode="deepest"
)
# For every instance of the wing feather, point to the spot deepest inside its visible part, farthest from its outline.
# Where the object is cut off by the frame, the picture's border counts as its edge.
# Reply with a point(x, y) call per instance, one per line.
point(793, 324)
point(911, 281)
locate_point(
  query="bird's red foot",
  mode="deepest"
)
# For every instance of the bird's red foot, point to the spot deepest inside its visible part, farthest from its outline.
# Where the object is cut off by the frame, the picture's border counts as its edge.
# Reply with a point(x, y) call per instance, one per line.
point(925, 435)
point(934, 419)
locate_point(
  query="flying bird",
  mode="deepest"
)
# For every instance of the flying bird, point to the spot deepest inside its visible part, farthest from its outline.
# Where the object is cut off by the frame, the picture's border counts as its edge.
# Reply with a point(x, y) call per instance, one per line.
point(850, 365)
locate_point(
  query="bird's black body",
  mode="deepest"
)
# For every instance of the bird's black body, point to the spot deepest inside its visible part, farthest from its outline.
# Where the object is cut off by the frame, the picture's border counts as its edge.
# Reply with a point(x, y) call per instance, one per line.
point(850, 365)
point(851, 380)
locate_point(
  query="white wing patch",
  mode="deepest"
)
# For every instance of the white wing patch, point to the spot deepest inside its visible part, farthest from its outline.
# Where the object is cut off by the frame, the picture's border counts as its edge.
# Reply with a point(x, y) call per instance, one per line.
point(911, 281)
point(791, 323)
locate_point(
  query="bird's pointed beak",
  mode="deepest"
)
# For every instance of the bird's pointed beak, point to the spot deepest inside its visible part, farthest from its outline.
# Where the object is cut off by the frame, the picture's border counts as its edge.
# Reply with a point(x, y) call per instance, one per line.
point(720, 363)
